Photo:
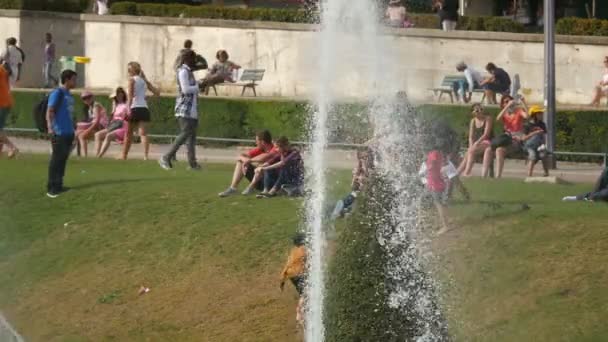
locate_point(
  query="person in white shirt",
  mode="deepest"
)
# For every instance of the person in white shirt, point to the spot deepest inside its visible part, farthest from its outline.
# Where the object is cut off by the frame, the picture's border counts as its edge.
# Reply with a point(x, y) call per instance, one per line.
point(474, 79)
point(396, 13)
point(14, 57)
point(101, 7)
point(186, 112)
point(601, 89)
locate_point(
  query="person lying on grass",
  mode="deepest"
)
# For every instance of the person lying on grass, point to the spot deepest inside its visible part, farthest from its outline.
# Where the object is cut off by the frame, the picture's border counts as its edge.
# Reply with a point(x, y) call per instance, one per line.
point(295, 271)
point(599, 192)
point(285, 172)
point(247, 162)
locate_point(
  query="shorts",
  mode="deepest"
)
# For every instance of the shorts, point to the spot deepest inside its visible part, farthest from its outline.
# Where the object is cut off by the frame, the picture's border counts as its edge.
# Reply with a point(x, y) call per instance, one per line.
point(497, 88)
point(4, 112)
point(139, 114)
point(250, 173)
point(299, 283)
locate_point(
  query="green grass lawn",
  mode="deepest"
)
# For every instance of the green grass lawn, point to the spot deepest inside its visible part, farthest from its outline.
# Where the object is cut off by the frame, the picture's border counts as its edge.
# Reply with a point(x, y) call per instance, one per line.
point(70, 268)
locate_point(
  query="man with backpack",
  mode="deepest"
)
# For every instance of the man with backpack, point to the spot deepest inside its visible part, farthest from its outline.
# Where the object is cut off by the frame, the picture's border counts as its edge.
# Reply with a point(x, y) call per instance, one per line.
point(61, 131)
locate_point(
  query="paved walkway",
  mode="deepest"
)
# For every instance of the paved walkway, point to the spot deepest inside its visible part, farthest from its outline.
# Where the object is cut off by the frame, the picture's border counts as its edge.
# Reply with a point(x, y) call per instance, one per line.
point(336, 158)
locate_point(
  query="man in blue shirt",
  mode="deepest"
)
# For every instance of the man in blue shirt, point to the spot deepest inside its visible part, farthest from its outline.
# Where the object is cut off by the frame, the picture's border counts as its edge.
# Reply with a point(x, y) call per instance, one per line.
point(61, 131)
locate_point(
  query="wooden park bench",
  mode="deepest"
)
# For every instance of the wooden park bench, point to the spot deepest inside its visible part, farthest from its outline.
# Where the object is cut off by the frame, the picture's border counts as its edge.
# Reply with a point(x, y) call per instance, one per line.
point(248, 79)
point(447, 87)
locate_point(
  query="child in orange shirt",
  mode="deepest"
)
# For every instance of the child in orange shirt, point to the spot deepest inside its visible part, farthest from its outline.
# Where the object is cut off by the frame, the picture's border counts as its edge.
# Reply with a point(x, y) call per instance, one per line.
point(295, 270)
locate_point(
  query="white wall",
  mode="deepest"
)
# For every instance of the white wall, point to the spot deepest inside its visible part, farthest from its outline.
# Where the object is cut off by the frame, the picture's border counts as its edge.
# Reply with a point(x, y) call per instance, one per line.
point(288, 52)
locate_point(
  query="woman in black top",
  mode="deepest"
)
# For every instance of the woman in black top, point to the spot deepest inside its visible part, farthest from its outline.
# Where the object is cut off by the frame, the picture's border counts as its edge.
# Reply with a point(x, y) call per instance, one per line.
point(480, 137)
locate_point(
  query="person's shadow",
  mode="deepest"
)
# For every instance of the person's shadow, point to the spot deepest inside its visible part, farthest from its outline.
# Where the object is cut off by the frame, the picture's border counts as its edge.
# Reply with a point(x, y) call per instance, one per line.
point(115, 182)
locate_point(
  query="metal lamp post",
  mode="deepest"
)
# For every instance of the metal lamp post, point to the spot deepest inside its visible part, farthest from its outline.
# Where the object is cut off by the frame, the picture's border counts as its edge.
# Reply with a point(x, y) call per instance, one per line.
point(549, 20)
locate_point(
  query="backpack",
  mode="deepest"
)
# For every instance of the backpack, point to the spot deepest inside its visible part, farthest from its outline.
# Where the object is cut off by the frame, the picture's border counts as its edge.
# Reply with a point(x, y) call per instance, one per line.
point(40, 110)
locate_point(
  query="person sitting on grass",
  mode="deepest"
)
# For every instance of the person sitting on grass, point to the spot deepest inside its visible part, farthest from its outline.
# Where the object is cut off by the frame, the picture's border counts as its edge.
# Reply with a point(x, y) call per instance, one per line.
point(512, 117)
point(599, 192)
point(295, 271)
point(480, 142)
point(116, 128)
point(535, 132)
point(247, 162)
point(360, 176)
point(284, 172)
point(96, 120)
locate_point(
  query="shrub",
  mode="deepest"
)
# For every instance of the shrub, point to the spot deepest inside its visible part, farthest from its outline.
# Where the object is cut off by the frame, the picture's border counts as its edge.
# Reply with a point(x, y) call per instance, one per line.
point(211, 12)
point(582, 27)
point(576, 131)
point(74, 6)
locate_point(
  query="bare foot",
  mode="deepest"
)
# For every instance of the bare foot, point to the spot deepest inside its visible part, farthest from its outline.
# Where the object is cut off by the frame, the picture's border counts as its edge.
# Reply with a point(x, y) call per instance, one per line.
point(13, 153)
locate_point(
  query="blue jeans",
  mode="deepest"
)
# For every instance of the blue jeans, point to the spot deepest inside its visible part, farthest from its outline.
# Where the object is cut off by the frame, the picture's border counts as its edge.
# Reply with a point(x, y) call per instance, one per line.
point(271, 178)
point(50, 81)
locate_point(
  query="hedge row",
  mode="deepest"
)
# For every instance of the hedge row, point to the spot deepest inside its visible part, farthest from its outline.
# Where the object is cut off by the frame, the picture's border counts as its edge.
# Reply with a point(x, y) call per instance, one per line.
point(582, 27)
point(578, 131)
point(493, 24)
point(73, 6)
point(211, 12)
point(295, 16)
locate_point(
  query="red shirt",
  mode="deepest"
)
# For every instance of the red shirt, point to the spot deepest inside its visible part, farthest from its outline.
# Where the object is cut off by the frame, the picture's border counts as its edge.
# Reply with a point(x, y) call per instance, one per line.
point(434, 180)
point(261, 150)
point(514, 122)
point(6, 100)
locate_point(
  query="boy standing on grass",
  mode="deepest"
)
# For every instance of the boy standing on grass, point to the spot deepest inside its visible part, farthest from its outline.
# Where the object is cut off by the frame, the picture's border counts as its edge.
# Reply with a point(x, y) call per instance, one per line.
point(295, 271)
point(6, 102)
point(437, 186)
point(61, 131)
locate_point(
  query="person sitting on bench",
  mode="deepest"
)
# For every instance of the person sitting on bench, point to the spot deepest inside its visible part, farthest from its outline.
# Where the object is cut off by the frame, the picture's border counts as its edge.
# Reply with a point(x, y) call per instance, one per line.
point(220, 72)
point(498, 83)
point(473, 81)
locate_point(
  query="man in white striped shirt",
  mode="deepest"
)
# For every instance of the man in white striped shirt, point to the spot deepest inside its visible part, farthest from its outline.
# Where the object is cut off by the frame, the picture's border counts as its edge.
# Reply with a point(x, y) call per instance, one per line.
point(186, 112)
point(474, 80)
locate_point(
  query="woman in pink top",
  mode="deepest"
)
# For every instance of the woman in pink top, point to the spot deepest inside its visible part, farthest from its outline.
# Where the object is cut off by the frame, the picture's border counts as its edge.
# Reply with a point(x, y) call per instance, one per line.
point(117, 127)
point(96, 121)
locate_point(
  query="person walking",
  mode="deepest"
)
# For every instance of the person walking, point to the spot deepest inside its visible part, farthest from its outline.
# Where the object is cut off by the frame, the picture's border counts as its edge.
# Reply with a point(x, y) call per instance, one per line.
point(448, 13)
point(14, 56)
point(6, 102)
point(186, 112)
point(50, 81)
point(61, 131)
point(139, 114)
point(101, 7)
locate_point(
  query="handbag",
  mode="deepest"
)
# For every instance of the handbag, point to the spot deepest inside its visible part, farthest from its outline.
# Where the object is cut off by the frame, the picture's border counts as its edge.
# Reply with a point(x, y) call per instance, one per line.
point(114, 125)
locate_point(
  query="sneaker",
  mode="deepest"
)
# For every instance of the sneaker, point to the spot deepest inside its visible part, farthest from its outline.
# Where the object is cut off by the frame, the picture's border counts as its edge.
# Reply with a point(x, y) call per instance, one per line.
point(569, 199)
point(195, 167)
point(165, 164)
point(227, 192)
point(247, 191)
point(52, 194)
